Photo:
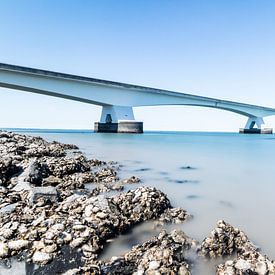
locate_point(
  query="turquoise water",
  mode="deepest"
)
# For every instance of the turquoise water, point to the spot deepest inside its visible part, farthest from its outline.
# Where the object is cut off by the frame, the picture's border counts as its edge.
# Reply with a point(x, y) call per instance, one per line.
point(232, 176)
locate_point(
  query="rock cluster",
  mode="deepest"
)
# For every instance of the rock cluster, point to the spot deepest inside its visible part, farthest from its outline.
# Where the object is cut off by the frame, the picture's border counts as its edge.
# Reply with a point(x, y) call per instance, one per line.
point(32, 160)
point(81, 221)
point(7, 169)
point(29, 162)
point(174, 215)
point(227, 240)
point(249, 262)
point(163, 254)
point(45, 209)
point(44, 205)
point(223, 240)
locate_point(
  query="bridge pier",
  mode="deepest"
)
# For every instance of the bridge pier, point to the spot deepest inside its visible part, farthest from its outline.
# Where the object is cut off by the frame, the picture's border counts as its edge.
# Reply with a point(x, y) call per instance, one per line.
point(251, 129)
point(118, 119)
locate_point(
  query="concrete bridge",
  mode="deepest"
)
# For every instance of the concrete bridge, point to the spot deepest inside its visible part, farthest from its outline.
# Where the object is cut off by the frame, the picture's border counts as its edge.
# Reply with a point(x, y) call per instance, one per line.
point(118, 99)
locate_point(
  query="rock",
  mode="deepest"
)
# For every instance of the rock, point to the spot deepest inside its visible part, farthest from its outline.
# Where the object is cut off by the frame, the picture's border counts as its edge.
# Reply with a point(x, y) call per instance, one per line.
point(67, 166)
point(4, 250)
point(42, 221)
point(242, 265)
point(41, 258)
point(51, 180)
point(50, 248)
point(183, 270)
point(224, 240)
point(89, 210)
point(74, 271)
point(148, 258)
point(106, 175)
point(153, 265)
point(18, 244)
point(58, 227)
point(37, 171)
point(249, 262)
point(101, 215)
point(174, 215)
point(67, 237)
point(77, 242)
point(142, 204)
point(7, 170)
point(131, 180)
point(48, 193)
point(22, 186)
point(8, 208)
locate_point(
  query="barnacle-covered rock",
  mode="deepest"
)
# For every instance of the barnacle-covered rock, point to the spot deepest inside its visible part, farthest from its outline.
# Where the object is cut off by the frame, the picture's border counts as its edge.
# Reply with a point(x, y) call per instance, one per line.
point(163, 254)
point(247, 262)
point(224, 240)
point(45, 208)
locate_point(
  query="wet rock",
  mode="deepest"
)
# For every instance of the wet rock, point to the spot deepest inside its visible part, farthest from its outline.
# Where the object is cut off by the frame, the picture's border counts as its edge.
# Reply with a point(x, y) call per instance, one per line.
point(131, 180)
point(46, 207)
point(249, 262)
point(8, 229)
point(7, 170)
point(37, 171)
point(4, 250)
point(82, 221)
point(164, 254)
point(106, 175)
point(22, 186)
point(224, 240)
point(18, 244)
point(77, 242)
point(141, 204)
point(60, 167)
point(8, 208)
point(41, 258)
point(47, 193)
point(187, 167)
point(51, 181)
point(174, 215)
point(96, 162)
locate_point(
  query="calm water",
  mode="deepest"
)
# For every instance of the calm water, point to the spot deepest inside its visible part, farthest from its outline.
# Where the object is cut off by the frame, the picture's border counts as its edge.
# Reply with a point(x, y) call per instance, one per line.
point(232, 178)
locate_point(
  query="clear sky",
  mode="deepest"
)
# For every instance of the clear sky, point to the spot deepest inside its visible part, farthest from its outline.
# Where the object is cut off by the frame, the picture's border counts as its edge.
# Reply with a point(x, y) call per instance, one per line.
point(223, 49)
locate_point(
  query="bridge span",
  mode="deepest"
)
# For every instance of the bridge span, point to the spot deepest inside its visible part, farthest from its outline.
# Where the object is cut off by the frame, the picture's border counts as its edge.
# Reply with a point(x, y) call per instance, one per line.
point(118, 99)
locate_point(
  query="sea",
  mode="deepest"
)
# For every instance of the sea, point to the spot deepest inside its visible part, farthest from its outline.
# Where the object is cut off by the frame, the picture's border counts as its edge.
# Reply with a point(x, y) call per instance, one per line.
point(213, 176)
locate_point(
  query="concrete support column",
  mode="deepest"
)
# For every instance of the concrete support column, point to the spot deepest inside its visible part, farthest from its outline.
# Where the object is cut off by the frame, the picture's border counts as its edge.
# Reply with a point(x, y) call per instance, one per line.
point(115, 114)
point(251, 129)
point(118, 119)
point(252, 121)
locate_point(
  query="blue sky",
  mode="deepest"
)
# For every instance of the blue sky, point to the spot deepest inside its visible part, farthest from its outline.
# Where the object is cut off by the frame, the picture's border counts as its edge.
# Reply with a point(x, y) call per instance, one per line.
point(223, 49)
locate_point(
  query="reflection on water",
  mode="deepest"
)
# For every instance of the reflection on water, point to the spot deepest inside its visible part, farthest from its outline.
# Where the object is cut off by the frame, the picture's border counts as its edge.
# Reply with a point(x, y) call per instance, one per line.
point(232, 179)
point(125, 242)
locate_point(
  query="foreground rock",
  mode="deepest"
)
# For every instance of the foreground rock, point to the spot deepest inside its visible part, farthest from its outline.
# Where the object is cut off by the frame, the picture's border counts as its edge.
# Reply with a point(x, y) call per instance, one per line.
point(224, 240)
point(45, 207)
point(44, 204)
point(164, 254)
point(84, 222)
point(27, 161)
point(250, 262)
point(227, 240)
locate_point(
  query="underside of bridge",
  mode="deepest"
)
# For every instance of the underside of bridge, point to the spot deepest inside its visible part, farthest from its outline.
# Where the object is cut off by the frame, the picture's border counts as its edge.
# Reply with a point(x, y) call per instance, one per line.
point(118, 99)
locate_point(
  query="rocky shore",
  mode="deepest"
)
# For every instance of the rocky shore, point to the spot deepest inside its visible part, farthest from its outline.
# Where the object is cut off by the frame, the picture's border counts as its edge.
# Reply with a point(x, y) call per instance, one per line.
point(47, 212)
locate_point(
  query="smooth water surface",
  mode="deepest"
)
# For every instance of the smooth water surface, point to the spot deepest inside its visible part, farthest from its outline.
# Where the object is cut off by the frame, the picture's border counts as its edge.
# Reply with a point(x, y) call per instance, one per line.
point(212, 175)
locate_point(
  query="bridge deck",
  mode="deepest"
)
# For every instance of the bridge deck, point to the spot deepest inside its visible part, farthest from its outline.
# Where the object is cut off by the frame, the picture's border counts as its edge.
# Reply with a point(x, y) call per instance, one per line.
point(52, 74)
